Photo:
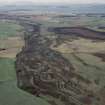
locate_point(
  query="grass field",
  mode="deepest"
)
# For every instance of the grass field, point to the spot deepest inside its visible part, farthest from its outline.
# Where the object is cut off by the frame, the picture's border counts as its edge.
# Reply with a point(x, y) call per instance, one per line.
point(81, 45)
point(11, 39)
point(10, 94)
point(7, 69)
point(12, 46)
point(86, 21)
point(88, 66)
point(8, 29)
point(80, 54)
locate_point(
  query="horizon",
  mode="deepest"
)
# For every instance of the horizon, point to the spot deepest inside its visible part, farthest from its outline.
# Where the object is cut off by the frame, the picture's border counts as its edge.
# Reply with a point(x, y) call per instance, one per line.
point(42, 2)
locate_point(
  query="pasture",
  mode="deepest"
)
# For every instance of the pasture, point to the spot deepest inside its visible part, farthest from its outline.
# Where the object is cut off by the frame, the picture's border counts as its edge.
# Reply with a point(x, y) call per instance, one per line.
point(11, 39)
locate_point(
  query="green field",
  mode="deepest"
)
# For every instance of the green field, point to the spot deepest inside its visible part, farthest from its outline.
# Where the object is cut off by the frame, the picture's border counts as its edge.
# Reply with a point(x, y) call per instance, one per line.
point(80, 53)
point(11, 39)
point(7, 69)
point(9, 93)
point(8, 29)
point(88, 66)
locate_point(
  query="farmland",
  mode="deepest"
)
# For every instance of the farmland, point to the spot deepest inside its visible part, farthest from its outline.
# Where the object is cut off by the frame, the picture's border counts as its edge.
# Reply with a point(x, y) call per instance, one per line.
point(11, 40)
point(55, 52)
point(8, 29)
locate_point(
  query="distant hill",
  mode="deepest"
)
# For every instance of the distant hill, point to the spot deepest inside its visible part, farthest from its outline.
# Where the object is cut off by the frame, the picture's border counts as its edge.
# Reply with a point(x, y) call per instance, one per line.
point(63, 8)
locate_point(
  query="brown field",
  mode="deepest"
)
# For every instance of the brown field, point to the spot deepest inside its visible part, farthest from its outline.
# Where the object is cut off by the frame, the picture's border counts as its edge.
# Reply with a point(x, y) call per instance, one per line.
point(81, 46)
point(12, 46)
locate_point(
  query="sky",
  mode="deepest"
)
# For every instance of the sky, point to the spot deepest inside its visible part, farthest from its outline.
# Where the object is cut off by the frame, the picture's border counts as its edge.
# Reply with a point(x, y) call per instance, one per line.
point(56, 1)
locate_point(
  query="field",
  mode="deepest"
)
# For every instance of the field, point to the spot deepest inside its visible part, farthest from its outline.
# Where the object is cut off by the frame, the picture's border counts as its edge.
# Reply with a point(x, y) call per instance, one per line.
point(88, 66)
point(8, 29)
point(80, 52)
point(10, 94)
point(11, 46)
point(87, 55)
point(11, 40)
point(81, 46)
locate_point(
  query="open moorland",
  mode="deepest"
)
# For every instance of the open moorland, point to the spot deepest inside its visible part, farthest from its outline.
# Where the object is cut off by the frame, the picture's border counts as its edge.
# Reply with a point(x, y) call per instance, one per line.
point(65, 52)
point(11, 43)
